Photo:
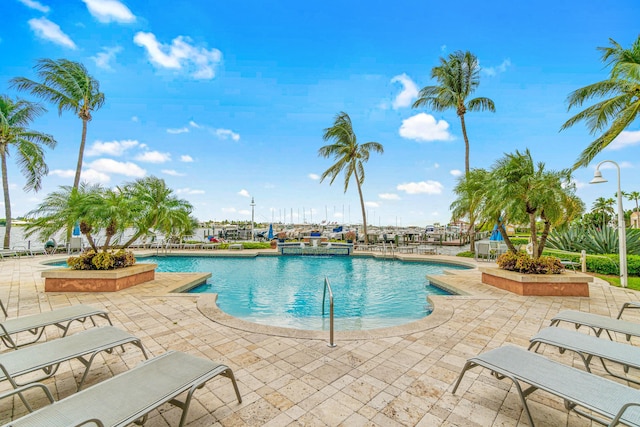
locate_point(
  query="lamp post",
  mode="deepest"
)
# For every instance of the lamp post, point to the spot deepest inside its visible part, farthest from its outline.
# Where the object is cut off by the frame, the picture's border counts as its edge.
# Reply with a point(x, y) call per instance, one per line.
point(253, 205)
point(622, 238)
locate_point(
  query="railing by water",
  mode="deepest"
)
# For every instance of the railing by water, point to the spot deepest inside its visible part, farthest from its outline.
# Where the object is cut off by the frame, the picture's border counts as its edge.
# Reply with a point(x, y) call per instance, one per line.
point(327, 285)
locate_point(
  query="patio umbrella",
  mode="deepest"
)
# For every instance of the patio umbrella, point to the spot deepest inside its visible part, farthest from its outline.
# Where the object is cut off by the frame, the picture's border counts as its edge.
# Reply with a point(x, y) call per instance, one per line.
point(76, 230)
point(270, 234)
point(495, 234)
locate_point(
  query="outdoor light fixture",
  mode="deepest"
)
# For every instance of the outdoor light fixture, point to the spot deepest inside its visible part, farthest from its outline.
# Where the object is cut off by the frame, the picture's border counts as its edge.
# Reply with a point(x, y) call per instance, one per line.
point(622, 236)
point(253, 205)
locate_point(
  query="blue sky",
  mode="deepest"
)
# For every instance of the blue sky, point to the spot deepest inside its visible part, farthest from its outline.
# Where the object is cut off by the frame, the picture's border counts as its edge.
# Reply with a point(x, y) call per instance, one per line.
point(228, 100)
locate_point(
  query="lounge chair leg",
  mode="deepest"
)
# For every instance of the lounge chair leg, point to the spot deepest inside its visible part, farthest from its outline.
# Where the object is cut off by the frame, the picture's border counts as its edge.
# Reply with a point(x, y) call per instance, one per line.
point(229, 374)
point(467, 366)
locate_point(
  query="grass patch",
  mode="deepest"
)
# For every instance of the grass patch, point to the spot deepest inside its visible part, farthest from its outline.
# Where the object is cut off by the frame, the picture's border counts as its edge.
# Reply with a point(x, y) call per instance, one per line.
point(633, 282)
point(465, 254)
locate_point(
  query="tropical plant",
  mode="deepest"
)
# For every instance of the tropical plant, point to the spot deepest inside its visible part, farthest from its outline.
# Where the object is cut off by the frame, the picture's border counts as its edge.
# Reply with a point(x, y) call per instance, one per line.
point(603, 207)
point(68, 85)
point(621, 103)
point(522, 263)
point(633, 196)
point(27, 144)
point(350, 157)
point(520, 191)
point(458, 76)
point(470, 190)
point(594, 240)
point(147, 206)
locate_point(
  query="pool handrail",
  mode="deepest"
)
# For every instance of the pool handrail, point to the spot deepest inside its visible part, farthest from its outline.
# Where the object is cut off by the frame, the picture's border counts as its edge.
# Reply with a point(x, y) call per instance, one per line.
point(327, 285)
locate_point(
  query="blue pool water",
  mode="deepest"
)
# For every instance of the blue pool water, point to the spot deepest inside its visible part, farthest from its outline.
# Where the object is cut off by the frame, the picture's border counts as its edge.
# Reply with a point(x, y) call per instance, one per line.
point(288, 291)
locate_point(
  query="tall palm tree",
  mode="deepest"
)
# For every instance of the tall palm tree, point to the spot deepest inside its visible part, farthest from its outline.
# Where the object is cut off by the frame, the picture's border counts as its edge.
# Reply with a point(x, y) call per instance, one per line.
point(349, 156)
point(458, 77)
point(471, 192)
point(68, 85)
point(621, 105)
point(15, 117)
point(633, 196)
point(603, 207)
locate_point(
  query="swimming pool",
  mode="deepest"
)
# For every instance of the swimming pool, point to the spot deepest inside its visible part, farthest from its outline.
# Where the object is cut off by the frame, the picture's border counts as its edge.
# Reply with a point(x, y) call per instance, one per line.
point(287, 291)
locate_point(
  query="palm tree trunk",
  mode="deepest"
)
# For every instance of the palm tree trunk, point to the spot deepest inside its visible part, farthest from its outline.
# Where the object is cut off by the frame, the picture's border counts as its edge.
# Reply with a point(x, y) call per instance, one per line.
point(7, 203)
point(364, 216)
point(76, 180)
point(534, 234)
point(466, 145)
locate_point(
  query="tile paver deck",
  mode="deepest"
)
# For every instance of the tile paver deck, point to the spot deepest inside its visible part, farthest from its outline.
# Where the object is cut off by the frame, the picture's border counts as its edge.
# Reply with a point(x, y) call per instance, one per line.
point(399, 376)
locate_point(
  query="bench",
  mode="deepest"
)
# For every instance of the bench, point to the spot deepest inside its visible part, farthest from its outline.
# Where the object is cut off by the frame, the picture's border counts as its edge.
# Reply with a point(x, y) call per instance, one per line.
point(566, 263)
point(588, 347)
point(579, 389)
point(238, 246)
point(128, 397)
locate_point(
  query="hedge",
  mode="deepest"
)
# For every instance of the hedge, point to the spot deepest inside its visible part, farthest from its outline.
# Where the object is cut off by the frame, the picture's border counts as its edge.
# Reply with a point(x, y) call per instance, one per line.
point(602, 264)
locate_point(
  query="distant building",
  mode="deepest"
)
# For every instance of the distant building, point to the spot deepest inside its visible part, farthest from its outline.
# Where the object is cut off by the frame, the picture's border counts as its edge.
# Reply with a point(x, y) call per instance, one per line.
point(635, 220)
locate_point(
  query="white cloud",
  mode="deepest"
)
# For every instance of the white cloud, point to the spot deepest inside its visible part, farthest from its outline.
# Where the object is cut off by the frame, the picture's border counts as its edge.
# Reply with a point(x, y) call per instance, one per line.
point(455, 172)
point(172, 172)
point(372, 204)
point(111, 148)
point(109, 11)
point(578, 184)
point(436, 165)
point(422, 187)
point(408, 94)
point(122, 168)
point(186, 158)
point(63, 173)
point(106, 57)
point(32, 4)
point(244, 212)
point(228, 210)
point(314, 176)
point(389, 196)
point(135, 119)
point(492, 71)
point(226, 134)
point(180, 54)
point(176, 131)
point(48, 30)
point(194, 125)
point(188, 190)
point(153, 157)
point(244, 193)
point(625, 139)
point(623, 165)
point(424, 127)
point(94, 177)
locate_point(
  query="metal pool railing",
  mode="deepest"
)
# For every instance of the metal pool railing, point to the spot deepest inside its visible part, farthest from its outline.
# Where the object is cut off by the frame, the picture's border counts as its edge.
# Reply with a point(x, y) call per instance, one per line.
point(327, 285)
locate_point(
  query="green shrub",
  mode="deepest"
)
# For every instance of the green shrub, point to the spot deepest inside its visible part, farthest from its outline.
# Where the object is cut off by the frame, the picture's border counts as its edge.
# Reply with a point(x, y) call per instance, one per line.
point(90, 260)
point(602, 264)
point(523, 263)
point(517, 241)
point(466, 254)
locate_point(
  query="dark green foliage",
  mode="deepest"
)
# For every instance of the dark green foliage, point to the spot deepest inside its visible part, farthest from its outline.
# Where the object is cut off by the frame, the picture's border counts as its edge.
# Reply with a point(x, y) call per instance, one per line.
point(594, 240)
point(523, 263)
point(90, 260)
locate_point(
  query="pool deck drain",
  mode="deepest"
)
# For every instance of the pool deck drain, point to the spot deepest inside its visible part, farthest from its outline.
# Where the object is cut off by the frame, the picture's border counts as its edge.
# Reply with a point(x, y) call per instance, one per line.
point(390, 380)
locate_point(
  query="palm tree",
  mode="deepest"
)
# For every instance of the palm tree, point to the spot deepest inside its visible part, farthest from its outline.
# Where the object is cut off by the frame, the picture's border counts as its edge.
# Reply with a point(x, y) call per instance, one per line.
point(621, 105)
point(68, 85)
point(458, 77)
point(633, 196)
point(603, 207)
point(522, 191)
point(15, 117)
point(471, 192)
point(350, 157)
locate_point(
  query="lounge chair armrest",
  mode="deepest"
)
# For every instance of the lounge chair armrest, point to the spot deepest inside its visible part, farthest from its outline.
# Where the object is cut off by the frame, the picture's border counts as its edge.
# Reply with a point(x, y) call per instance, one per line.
point(621, 412)
point(23, 388)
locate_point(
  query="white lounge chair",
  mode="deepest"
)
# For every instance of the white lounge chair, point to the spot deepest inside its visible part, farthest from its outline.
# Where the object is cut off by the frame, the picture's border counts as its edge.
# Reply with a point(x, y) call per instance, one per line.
point(129, 397)
point(616, 402)
point(35, 323)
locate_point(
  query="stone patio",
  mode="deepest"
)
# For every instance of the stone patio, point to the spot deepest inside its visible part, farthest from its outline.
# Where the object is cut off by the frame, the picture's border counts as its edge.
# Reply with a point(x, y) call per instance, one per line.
point(399, 376)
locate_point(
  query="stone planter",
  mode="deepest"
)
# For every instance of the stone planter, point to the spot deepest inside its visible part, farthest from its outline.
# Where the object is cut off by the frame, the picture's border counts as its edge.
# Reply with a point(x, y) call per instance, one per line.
point(565, 284)
point(66, 280)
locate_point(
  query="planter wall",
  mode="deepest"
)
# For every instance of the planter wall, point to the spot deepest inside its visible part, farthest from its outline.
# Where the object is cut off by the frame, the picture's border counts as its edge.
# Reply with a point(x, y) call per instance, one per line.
point(565, 284)
point(66, 280)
